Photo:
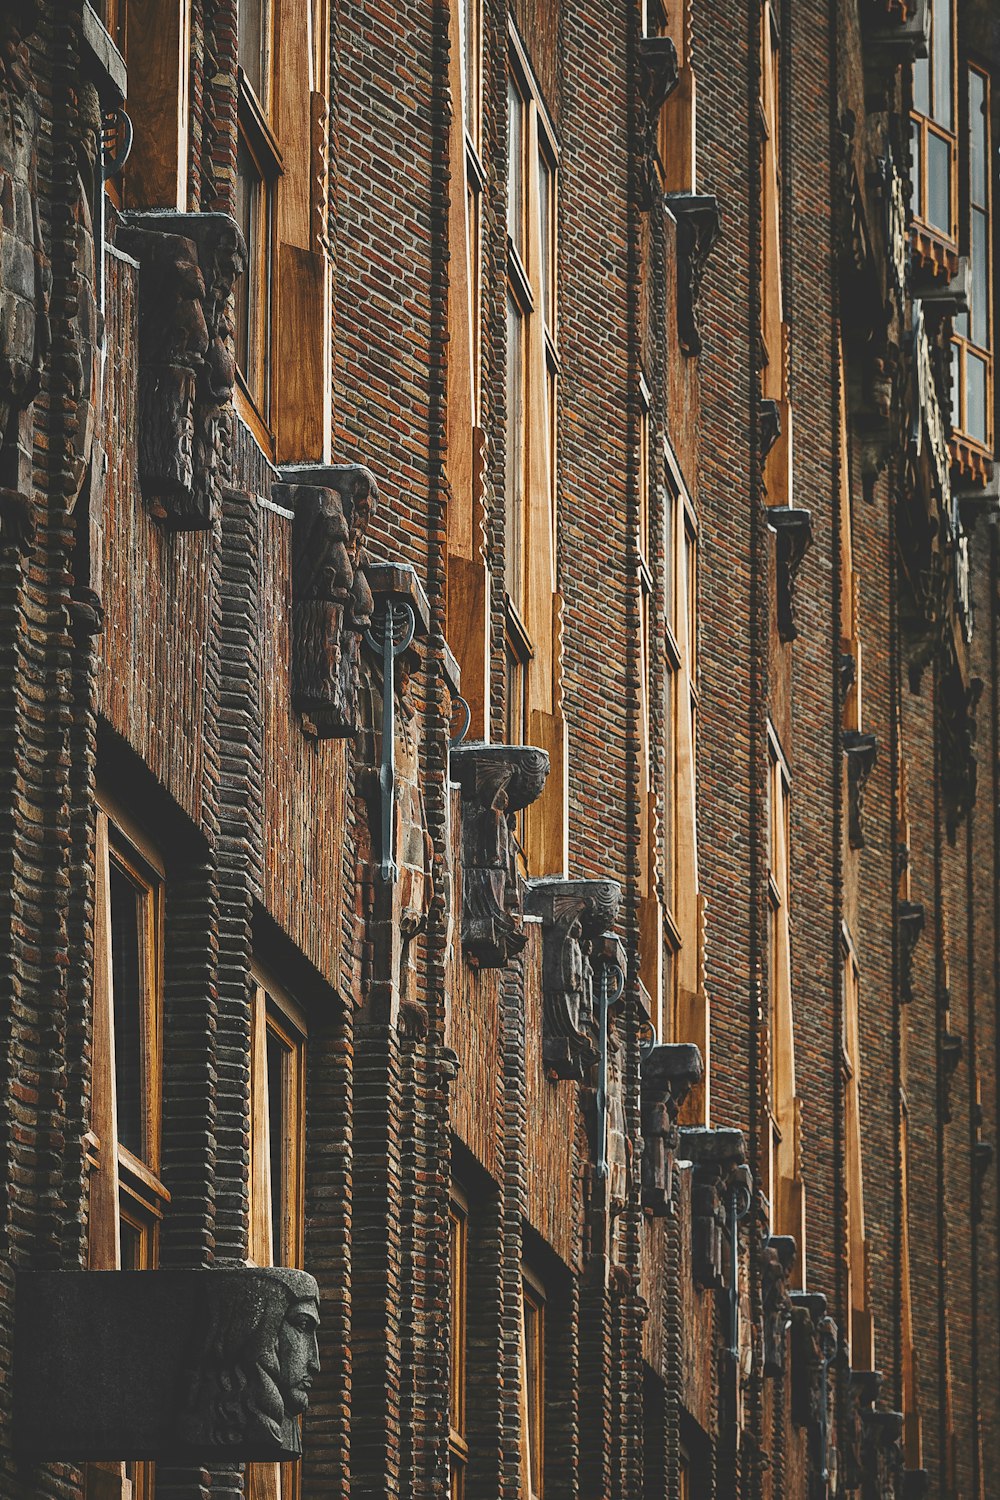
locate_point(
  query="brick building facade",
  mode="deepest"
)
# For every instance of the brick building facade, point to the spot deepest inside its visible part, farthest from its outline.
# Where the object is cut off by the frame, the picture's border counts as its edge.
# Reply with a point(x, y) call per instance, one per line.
point(500, 747)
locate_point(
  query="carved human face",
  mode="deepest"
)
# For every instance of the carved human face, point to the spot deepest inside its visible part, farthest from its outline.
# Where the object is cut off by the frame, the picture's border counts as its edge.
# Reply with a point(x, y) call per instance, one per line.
point(298, 1353)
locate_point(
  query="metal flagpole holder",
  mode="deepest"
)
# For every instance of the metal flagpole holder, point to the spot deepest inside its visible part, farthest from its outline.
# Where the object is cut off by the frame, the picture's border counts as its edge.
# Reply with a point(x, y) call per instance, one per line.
point(398, 627)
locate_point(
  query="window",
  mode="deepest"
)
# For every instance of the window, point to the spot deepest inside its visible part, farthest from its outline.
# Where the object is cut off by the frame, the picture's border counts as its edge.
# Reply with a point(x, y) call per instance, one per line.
point(531, 388)
point(972, 385)
point(935, 147)
point(113, 18)
point(682, 904)
point(861, 1329)
point(533, 1390)
point(650, 908)
point(258, 165)
point(127, 1199)
point(785, 1192)
point(774, 330)
point(277, 1167)
point(676, 126)
point(458, 1447)
point(850, 641)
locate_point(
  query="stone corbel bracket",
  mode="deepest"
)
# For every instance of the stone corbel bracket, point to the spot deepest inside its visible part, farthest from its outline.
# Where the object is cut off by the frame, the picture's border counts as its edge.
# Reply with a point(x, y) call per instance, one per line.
point(331, 596)
point(496, 781)
point(714, 1153)
point(860, 752)
point(882, 1449)
point(777, 1260)
point(952, 1048)
point(657, 78)
point(982, 1160)
point(187, 266)
point(859, 1394)
point(910, 919)
point(699, 225)
point(814, 1347)
point(668, 1073)
point(575, 914)
point(793, 530)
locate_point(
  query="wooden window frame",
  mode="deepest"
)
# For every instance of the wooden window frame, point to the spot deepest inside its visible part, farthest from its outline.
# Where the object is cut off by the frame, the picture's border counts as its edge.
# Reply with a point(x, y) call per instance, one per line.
point(273, 1012)
point(936, 248)
point(255, 393)
point(535, 422)
point(965, 445)
point(679, 886)
point(458, 1444)
point(125, 1192)
point(533, 1388)
point(860, 1332)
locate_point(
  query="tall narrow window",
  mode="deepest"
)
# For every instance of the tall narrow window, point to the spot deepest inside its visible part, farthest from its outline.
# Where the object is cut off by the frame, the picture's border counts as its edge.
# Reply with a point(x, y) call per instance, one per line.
point(533, 1390)
point(127, 1199)
point(680, 880)
point(861, 1330)
point(277, 1167)
point(650, 904)
point(458, 1446)
point(785, 1185)
point(972, 393)
point(258, 166)
point(774, 329)
point(532, 383)
point(935, 145)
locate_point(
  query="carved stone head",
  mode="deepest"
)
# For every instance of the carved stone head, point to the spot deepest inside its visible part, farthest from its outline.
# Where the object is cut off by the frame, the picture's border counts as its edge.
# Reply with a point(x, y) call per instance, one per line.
point(253, 1366)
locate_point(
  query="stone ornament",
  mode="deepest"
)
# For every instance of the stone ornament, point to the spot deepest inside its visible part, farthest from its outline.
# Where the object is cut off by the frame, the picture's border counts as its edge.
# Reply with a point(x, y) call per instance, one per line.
point(188, 265)
point(699, 225)
point(497, 781)
point(860, 752)
point(331, 598)
point(716, 1154)
point(252, 1365)
point(184, 1366)
point(792, 525)
point(667, 1075)
point(574, 913)
point(24, 270)
point(777, 1260)
point(814, 1346)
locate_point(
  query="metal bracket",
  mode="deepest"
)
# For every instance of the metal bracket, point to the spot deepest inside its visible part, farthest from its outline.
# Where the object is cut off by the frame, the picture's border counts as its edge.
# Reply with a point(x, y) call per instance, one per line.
point(116, 142)
point(458, 737)
point(398, 627)
point(740, 1200)
point(612, 989)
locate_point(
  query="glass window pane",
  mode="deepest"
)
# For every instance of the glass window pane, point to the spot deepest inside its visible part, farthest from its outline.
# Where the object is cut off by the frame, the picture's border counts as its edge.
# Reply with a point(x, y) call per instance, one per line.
point(922, 86)
point(939, 183)
point(515, 167)
point(515, 448)
point(975, 397)
point(916, 203)
point(977, 138)
point(941, 49)
point(277, 1124)
point(544, 206)
point(127, 977)
point(980, 299)
point(253, 25)
point(248, 188)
